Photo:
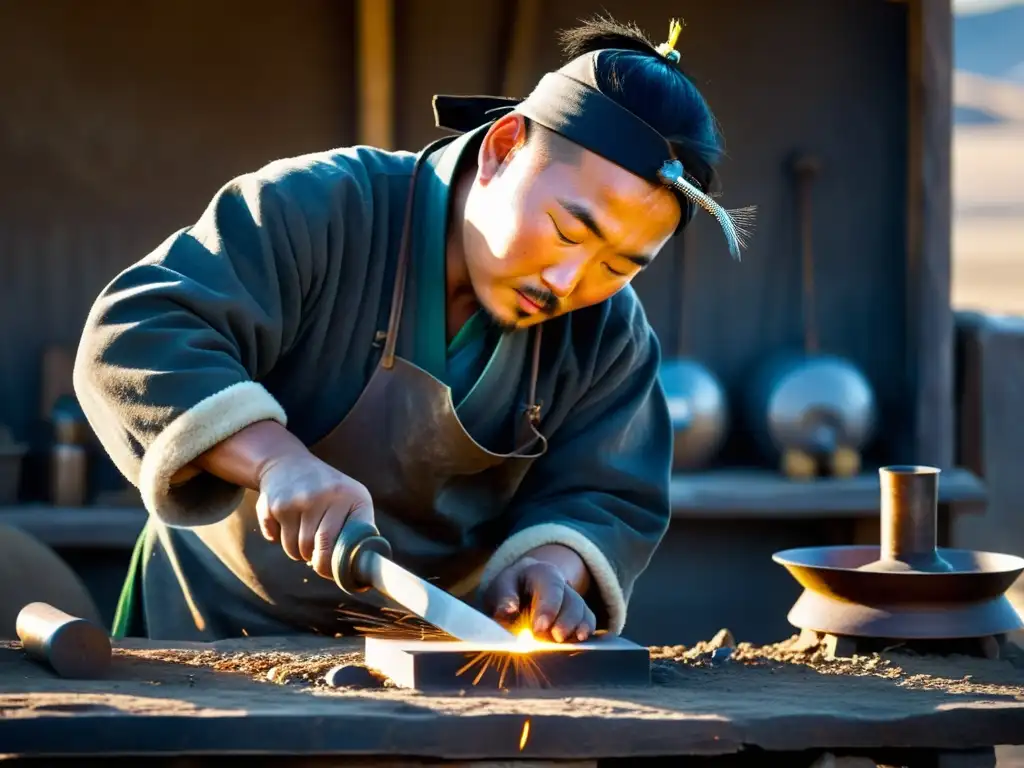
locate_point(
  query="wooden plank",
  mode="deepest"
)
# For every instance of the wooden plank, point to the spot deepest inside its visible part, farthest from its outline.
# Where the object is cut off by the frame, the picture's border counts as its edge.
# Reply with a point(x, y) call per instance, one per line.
point(929, 215)
point(754, 493)
point(78, 527)
point(164, 702)
point(376, 67)
point(728, 494)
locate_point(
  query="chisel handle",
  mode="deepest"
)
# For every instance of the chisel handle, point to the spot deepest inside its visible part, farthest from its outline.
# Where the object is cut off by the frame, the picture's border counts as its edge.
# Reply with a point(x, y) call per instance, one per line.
point(72, 647)
point(356, 539)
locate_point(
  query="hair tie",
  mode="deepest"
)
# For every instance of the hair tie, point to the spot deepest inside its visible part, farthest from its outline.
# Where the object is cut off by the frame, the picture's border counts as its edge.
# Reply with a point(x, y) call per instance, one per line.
point(737, 224)
point(668, 48)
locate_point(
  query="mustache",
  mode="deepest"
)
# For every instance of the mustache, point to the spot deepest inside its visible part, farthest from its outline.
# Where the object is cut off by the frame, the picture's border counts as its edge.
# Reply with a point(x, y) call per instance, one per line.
point(546, 300)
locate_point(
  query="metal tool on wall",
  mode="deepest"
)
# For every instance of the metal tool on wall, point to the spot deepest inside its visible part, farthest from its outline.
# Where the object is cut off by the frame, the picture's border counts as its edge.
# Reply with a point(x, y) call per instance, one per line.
point(811, 410)
point(697, 405)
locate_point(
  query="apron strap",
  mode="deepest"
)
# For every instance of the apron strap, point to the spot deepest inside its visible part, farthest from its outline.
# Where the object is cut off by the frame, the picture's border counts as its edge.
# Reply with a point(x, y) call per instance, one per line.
point(404, 248)
point(398, 292)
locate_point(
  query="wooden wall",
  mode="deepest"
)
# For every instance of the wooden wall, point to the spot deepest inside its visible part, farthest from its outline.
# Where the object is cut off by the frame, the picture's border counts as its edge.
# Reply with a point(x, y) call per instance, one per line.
point(119, 120)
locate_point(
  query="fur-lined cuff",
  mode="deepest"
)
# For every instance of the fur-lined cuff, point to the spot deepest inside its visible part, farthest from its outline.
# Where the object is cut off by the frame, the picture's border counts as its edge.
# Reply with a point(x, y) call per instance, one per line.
point(553, 533)
point(205, 499)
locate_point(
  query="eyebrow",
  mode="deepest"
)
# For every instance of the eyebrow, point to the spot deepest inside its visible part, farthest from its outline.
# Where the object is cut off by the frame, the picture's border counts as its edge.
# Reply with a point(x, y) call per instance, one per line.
point(586, 218)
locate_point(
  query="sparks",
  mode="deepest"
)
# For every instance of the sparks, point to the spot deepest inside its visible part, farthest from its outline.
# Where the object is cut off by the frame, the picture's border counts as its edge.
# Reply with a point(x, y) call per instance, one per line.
point(526, 641)
point(525, 637)
point(525, 735)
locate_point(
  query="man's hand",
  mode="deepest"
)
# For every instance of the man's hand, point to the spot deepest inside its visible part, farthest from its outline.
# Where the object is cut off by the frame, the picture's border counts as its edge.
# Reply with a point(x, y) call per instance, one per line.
point(304, 503)
point(544, 586)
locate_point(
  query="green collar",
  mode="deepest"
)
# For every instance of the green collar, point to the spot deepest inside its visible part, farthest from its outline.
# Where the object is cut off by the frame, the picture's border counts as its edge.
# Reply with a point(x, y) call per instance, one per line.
point(425, 319)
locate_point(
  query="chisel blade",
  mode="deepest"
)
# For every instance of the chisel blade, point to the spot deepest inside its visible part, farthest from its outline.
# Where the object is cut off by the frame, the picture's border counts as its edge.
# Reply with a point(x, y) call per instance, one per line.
point(435, 606)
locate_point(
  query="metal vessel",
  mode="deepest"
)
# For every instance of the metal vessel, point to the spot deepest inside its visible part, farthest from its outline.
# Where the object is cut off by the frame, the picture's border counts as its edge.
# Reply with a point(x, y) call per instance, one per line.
point(811, 409)
point(699, 410)
point(820, 408)
point(906, 588)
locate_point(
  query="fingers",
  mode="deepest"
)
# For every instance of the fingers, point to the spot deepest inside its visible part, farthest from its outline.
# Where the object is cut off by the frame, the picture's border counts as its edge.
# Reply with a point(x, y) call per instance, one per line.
point(329, 529)
point(362, 509)
point(576, 631)
point(303, 507)
point(282, 522)
point(502, 597)
point(546, 587)
point(268, 525)
point(309, 525)
point(556, 608)
point(569, 617)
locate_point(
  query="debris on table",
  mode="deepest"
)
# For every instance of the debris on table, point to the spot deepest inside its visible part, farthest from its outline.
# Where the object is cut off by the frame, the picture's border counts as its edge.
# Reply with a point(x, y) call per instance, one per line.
point(279, 667)
point(955, 674)
point(670, 665)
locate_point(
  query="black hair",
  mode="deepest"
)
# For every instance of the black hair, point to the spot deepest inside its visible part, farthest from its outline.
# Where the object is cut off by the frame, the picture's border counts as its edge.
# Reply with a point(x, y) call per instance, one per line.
point(633, 73)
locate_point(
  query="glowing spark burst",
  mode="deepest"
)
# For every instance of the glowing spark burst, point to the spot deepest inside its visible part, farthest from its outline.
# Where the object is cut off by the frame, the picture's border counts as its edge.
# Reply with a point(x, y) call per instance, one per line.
point(525, 735)
point(515, 658)
point(525, 638)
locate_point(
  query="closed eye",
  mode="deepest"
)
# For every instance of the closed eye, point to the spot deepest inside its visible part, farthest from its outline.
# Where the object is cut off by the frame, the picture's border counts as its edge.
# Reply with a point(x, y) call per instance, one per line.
point(561, 236)
point(615, 271)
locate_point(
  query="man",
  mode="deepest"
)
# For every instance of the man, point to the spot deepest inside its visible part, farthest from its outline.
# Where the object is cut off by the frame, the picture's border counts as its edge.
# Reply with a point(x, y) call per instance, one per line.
point(443, 344)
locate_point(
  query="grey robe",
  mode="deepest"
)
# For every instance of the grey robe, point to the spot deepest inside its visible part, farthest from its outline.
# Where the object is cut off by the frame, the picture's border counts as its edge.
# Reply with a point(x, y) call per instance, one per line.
point(269, 307)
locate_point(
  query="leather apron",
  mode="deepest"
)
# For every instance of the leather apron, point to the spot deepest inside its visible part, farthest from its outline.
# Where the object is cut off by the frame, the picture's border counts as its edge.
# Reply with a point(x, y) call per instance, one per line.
point(429, 479)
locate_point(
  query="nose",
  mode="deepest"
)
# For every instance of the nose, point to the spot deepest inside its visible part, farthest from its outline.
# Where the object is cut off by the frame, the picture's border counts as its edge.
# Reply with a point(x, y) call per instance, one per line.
point(562, 278)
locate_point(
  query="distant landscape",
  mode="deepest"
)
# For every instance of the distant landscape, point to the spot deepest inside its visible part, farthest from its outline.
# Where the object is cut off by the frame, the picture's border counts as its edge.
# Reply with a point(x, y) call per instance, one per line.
point(988, 160)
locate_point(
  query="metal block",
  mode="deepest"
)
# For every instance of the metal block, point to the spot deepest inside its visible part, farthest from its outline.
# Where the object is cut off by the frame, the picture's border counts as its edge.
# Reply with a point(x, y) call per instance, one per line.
point(604, 661)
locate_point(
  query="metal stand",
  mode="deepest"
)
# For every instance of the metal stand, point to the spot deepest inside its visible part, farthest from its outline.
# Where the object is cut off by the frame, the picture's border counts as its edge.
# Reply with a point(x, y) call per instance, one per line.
point(906, 589)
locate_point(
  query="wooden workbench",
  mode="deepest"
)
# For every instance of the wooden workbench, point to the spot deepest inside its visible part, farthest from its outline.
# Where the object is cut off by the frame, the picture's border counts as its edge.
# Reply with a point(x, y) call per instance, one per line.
point(185, 699)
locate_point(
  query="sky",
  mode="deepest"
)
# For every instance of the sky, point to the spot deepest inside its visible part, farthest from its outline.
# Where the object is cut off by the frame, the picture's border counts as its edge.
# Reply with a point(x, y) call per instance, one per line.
point(977, 6)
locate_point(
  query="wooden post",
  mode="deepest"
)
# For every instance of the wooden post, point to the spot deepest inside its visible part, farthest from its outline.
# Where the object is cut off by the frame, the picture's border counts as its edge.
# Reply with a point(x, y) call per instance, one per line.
point(519, 67)
point(375, 43)
point(929, 212)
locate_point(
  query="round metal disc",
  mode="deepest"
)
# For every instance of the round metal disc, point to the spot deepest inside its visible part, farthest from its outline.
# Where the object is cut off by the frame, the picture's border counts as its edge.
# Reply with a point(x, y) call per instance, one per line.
point(842, 598)
point(826, 615)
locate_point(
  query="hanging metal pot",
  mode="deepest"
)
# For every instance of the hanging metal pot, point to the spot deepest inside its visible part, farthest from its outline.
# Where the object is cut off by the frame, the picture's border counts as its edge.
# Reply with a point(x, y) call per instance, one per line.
point(699, 411)
point(811, 410)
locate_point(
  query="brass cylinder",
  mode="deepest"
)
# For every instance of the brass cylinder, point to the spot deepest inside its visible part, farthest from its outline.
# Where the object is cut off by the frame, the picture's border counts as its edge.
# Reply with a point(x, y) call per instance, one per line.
point(909, 517)
point(70, 646)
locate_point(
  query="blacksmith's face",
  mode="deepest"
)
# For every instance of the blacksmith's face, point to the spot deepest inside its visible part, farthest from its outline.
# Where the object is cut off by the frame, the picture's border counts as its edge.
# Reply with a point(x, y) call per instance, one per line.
point(552, 228)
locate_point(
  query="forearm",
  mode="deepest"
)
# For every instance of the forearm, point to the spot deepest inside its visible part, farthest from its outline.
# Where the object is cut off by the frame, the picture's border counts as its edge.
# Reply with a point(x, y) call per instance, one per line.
point(242, 458)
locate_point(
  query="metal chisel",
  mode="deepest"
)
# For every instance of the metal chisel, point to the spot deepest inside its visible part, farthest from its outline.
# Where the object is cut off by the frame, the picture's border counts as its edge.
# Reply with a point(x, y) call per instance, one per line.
point(362, 560)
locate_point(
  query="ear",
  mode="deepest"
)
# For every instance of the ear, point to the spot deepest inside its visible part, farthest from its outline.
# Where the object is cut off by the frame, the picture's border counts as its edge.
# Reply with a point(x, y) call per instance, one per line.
point(506, 137)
